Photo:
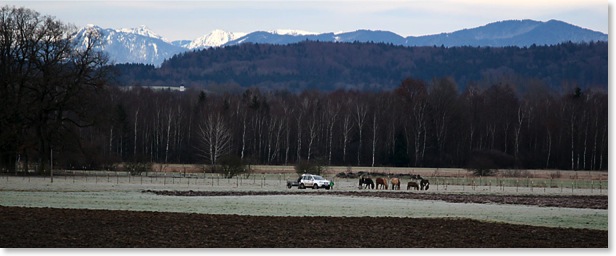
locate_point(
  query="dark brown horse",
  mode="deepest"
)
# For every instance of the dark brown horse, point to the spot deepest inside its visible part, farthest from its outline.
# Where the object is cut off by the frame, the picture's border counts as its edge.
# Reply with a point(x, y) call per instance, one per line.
point(413, 185)
point(382, 182)
point(395, 184)
point(366, 181)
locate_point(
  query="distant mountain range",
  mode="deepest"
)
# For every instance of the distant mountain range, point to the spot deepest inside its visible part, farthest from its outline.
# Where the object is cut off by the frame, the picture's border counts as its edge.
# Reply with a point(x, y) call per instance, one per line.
point(141, 45)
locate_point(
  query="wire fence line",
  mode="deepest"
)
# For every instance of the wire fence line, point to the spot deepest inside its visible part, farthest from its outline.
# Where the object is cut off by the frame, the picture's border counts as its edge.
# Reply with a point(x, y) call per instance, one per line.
point(522, 182)
point(119, 177)
point(279, 181)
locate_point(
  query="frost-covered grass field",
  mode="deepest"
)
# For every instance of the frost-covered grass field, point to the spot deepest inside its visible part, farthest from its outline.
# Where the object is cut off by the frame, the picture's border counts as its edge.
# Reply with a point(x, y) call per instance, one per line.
point(125, 193)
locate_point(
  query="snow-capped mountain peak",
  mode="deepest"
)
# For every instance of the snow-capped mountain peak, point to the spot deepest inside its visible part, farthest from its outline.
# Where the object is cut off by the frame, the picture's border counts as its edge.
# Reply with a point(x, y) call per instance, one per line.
point(143, 31)
point(137, 45)
point(215, 38)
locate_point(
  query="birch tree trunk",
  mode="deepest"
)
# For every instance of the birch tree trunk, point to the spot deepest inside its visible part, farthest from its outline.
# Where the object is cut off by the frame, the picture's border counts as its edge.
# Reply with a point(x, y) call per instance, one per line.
point(419, 110)
point(169, 119)
point(518, 128)
point(312, 134)
point(374, 131)
point(331, 112)
point(299, 136)
point(346, 129)
point(111, 140)
point(243, 137)
point(135, 138)
point(360, 118)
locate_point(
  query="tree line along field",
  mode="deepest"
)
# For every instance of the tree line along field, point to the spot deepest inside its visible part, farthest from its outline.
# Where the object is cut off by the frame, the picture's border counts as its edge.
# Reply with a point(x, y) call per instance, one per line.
point(423, 171)
point(494, 126)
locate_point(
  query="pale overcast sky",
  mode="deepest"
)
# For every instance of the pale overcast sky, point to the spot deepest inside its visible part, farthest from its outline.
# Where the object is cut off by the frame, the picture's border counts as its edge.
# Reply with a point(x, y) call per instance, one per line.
point(191, 19)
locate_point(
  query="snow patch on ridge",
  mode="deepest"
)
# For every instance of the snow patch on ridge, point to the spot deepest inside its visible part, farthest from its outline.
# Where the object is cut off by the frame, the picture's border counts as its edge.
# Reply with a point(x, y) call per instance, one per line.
point(292, 32)
point(215, 38)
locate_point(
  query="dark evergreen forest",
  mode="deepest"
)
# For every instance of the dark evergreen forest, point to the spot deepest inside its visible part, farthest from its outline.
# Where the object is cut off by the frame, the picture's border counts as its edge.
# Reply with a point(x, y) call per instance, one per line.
point(374, 67)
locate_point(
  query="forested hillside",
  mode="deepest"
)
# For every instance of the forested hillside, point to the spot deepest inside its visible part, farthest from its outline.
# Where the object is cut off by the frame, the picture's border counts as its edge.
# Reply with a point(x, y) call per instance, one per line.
point(329, 66)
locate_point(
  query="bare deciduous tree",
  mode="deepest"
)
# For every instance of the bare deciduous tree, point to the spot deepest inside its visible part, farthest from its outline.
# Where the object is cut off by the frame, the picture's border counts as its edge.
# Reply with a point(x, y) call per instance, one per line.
point(47, 81)
point(216, 138)
point(361, 110)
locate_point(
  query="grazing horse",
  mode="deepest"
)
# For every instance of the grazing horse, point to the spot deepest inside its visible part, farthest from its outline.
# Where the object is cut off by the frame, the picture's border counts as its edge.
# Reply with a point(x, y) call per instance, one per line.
point(425, 184)
point(382, 182)
point(367, 181)
point(412, 184)
point(395, 183)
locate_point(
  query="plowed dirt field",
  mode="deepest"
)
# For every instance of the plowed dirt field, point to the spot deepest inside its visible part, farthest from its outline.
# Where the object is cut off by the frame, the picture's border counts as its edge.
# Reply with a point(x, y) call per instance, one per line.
point(70, 228)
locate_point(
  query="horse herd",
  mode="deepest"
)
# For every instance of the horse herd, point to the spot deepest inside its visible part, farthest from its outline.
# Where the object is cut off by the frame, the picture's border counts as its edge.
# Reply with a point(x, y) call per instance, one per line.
point(417, 183)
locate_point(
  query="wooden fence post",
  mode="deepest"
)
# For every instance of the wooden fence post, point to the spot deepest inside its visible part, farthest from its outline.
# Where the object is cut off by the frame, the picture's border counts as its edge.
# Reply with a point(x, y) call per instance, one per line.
point(531, 186)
